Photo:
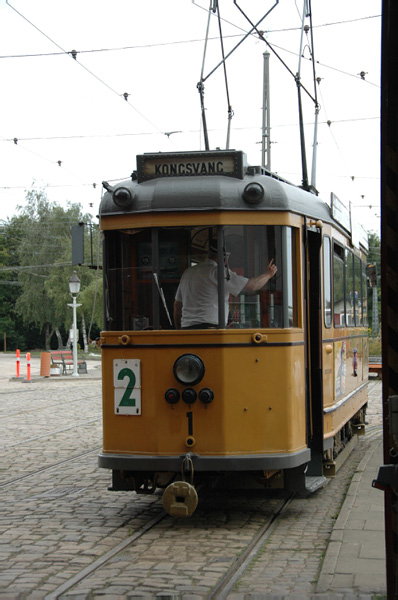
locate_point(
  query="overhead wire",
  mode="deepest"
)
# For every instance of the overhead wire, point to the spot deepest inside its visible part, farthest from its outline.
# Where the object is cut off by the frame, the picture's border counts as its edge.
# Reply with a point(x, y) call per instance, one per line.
point(183, 131)
point(199, 40)
point(126, 176)
point(76, 137)
point(73, 56)
point(59, 162)
point(270, 31)
point(307, 7)
point(355, 76)
point(266, 32)
point(331, 132)
point(63, 52)
point(53, 163)
point(288, 29)
point(74, 53)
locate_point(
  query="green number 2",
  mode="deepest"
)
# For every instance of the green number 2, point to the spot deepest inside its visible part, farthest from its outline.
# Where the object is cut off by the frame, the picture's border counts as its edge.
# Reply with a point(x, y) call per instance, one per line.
point(126, 400)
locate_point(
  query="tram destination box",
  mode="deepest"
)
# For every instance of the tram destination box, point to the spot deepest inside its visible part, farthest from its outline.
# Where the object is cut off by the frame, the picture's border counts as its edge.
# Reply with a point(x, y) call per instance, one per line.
point(229, 163)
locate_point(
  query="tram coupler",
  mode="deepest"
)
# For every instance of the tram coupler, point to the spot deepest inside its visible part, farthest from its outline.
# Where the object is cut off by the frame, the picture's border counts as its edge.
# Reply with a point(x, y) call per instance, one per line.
point(180, 498)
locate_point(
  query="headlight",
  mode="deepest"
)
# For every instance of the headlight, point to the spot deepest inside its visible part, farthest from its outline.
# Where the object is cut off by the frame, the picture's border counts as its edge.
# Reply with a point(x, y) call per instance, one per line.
point(253, 193)
point(189, 369)
point(122, 197)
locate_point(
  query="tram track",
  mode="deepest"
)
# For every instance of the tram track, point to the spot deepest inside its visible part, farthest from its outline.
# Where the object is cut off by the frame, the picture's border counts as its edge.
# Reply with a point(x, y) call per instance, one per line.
point(373, 431)
point(50, 433)
point(233, 565)
point(224, 585)
point(238, 569)
point(53, 434)
point(228, 581)
point(49, 467)
point(100, 562)
point(232, 575)
point(47, 406)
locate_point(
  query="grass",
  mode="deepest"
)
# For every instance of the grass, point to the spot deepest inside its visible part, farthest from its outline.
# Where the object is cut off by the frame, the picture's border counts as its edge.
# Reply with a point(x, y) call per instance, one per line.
point(374, 346)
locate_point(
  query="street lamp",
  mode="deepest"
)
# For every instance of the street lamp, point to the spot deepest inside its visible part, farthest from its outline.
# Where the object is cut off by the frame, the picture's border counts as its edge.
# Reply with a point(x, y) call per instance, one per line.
point(74, 288)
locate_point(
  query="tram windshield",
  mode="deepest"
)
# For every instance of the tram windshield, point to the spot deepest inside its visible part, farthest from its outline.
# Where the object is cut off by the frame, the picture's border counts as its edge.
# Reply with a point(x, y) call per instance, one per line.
point(144, 267)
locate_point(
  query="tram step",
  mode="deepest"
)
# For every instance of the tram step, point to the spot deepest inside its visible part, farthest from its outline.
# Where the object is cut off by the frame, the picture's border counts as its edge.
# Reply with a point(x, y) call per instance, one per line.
point(296, 480)
point(313, 483)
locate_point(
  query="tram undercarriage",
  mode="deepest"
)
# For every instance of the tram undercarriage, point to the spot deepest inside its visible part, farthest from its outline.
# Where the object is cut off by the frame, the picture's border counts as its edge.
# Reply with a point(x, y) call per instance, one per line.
point(180, 487)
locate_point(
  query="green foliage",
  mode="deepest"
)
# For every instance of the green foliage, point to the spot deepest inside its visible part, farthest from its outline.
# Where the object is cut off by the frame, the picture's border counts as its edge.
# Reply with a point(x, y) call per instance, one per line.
point(374, 345)
point(10, 322)
point(38, 243)
point(374, 257)
point(43, 245)
point(91, 296)
point(374, 250)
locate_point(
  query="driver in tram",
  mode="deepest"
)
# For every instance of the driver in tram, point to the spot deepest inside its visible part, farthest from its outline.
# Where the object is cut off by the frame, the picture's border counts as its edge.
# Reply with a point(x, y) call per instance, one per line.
point(196, 300)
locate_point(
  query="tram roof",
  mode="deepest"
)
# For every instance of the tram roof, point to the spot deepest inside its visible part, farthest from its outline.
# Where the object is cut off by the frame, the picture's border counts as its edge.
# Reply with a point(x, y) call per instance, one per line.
point(214, 193)
point(177, 186)
point(209, 181)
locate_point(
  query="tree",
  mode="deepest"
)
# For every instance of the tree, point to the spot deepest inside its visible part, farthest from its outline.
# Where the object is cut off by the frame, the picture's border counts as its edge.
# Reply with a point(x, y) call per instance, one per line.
point(374, 259)
point(8, 291)
point(91, 296)
point(11, 325)
point(43, 255)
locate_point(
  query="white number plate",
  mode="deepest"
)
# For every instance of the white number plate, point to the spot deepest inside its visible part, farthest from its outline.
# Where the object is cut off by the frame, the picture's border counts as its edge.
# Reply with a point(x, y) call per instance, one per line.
point(127, 386)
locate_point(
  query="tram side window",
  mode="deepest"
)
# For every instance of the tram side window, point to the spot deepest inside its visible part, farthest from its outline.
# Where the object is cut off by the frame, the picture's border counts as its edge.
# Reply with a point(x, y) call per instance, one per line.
point(327, 283)
point(289, 240)
point(338, 287)
point(349, 288)
point(358, 292)
point(364, 296)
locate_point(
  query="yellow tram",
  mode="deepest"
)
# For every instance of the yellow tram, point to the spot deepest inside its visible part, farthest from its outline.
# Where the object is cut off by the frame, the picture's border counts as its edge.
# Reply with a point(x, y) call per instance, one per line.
point(278, 384)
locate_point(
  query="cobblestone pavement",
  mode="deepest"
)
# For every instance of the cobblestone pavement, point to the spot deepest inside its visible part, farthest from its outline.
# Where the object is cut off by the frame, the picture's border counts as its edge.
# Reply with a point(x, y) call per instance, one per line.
point(58, 518)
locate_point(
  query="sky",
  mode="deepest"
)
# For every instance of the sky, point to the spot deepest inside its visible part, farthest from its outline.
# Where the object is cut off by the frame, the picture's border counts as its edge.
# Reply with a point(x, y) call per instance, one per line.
point(67, 67)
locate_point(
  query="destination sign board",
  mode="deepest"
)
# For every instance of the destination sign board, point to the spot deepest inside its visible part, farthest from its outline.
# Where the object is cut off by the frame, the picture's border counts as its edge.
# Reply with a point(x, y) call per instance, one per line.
point(190, 164)
point(340, 212)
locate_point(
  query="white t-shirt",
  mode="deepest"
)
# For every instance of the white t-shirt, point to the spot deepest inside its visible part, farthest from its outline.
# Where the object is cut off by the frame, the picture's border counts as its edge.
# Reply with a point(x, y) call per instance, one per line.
point(198, 293)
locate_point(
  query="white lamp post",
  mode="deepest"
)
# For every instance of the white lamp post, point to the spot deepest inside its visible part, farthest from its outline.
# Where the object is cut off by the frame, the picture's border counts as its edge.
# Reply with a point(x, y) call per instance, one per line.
point(74, 288)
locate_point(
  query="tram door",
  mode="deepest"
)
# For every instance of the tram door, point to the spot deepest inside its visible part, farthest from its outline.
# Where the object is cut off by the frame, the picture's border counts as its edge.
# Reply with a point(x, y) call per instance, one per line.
point(314, 353)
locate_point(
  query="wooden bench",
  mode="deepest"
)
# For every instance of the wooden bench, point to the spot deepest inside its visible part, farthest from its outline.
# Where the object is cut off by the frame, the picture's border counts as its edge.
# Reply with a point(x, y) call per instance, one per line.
point(64, 359)
point(375, 366)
